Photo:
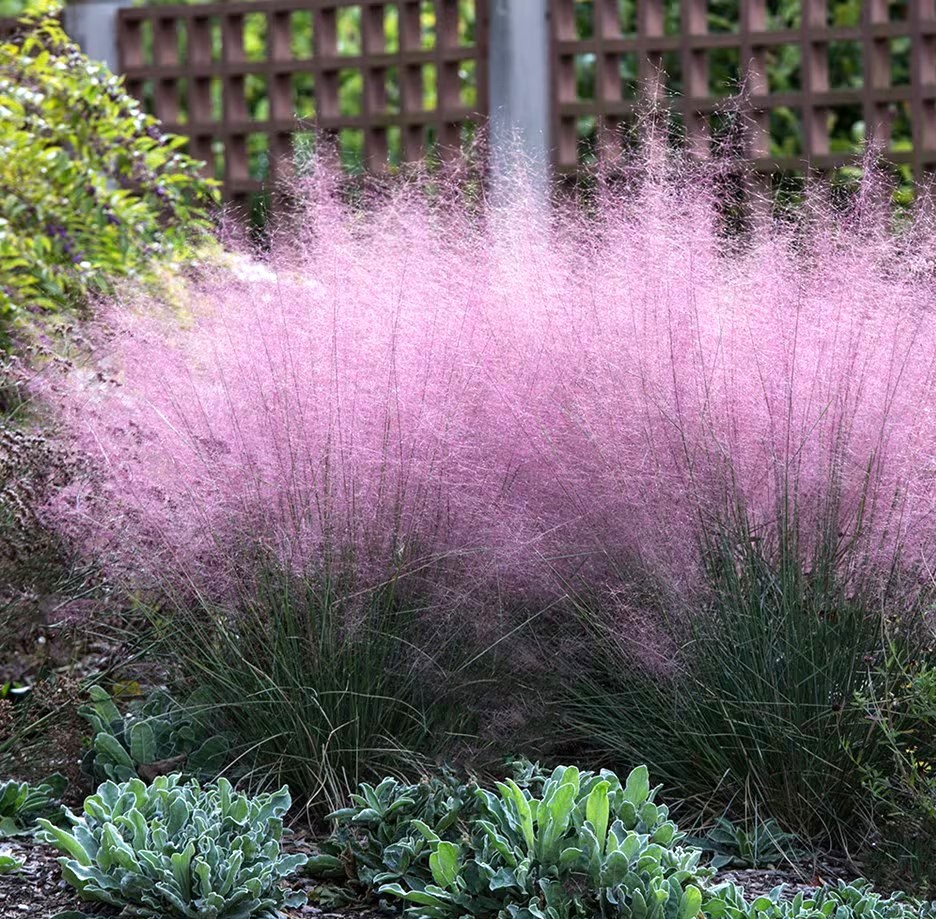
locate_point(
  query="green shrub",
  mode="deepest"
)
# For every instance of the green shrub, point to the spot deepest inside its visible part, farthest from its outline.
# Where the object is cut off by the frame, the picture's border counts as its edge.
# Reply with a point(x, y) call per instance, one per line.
point(173, 850)
point(373, 841)
point(90, 188)
point(155, 735)
point(22, 805)
point(842, 901)
point(583, 848)
point(577, 844)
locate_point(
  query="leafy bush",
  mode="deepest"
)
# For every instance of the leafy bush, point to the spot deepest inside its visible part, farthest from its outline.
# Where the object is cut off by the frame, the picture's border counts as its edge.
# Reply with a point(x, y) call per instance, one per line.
point(577, 844)
point(22, 805)
point(764, 845)
point(173, 850)
point(155, 735)
point(373, 841)
point(583, 848)
point(842, 901)
point(90, 188)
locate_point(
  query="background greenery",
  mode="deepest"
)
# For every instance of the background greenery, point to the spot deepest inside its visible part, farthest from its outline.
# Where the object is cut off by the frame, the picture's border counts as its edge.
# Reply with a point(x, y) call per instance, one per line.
point(91, 189)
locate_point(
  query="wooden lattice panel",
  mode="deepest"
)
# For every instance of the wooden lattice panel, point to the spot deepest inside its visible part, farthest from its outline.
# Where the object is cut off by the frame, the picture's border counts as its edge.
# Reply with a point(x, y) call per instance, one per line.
point(666, 48)
point(248, 81)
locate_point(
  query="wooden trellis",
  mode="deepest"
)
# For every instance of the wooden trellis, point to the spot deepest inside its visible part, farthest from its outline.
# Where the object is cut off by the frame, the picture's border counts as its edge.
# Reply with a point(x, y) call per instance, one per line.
point(610, 39)
point(191, 67)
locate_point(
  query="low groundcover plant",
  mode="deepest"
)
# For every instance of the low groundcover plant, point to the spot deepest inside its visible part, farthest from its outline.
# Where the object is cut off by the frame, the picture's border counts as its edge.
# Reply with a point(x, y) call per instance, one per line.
point(179, 850)
point(570, 844)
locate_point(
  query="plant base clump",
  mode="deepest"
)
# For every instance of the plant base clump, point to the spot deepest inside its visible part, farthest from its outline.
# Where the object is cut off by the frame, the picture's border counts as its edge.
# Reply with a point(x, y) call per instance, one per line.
point(180, 851)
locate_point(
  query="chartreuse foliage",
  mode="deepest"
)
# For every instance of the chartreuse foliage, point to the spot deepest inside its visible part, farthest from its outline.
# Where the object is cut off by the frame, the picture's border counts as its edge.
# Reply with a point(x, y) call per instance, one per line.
point(373, 840)
point(570, 844)
point(582, 848)
point(91, 189)
point(156, 734)
point(22, 805)
point(174, 851)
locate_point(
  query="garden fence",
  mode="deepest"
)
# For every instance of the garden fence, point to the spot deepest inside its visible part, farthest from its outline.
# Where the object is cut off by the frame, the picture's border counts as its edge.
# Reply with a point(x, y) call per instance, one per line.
point(796, 77)
point(393, 80)
point(246, 81)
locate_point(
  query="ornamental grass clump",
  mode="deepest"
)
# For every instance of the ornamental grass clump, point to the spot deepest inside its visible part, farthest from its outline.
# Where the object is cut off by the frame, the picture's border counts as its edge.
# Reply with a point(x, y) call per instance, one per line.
point(417, 416)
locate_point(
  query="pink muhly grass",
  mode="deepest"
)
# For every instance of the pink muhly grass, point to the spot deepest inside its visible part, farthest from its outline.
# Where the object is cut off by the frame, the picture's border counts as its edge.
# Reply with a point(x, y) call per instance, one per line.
point(510, 400)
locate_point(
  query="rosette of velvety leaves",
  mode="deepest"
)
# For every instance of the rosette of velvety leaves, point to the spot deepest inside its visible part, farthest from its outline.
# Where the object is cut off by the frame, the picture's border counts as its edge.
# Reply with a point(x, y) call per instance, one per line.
point(179, 850)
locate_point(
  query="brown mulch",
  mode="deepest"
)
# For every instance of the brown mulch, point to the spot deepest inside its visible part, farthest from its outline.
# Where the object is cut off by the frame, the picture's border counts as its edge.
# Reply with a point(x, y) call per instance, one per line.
point(36, 891)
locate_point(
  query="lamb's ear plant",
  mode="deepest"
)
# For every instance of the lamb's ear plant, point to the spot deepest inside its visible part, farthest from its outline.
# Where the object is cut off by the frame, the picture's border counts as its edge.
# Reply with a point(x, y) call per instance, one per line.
point(22, 805)
point(374, 841)
point(155, 735)
point(179, 851)
point(762, 844)
point(584, 847)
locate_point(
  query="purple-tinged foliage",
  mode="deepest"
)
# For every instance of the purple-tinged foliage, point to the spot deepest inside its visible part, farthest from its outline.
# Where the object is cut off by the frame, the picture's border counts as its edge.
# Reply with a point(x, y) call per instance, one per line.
point(520, 398)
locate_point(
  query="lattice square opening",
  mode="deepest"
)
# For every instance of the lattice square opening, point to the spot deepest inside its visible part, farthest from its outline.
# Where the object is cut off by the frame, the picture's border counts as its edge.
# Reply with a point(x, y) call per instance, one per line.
point(627, 17)
point(350, 92)
point(182, 40)
point(784, 69)
point(427, 24)
point(843, 15)
point(584, 65)
point(468, 24)
point(303, 95)
point(146, 43)
point(258, 157)
point(303, 149)
point(781, 14)
point(216, 95)
point(900, 61)
point(351, 149)
point(724, 71)
point(257, 97)
point(584, 19)
point(722, 16)
point(394, 138)
point(901, 127)
point(216, 163)
point(255, 36)
point(392, 90)
point(300, 34)
point(786, 132)
point(430, 87)
point(898, 10)
point(846, 128)
point(627, 68)
point(468, 83)
point(391, 29)
point(349, 31)
point(846, 70)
